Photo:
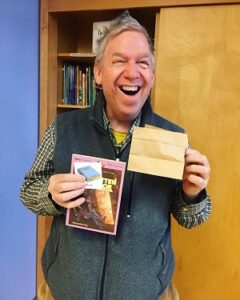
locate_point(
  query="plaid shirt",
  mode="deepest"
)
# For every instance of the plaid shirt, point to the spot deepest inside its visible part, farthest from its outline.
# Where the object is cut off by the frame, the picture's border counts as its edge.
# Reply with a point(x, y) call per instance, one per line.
point(34, 192)
point(120, 147)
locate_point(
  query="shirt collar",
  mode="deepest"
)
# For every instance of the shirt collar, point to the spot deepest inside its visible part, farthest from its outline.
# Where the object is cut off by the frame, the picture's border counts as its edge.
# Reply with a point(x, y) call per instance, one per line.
point(107, 126)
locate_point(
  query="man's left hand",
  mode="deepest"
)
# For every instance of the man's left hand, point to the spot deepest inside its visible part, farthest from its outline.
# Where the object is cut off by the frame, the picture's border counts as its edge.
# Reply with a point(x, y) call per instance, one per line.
point(196, 173)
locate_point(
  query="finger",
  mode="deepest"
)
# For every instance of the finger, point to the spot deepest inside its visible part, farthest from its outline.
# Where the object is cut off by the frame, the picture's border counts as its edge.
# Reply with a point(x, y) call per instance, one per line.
point(197, 181)
point(190, 151)
point(198, 170)
point(195, 157)
point(61, 198)
point(57, 178)
point(68, 186)
point(75, 203)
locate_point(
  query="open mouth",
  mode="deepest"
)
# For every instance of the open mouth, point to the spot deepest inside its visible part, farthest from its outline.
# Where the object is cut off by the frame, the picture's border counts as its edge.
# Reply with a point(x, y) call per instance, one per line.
point(130, 90)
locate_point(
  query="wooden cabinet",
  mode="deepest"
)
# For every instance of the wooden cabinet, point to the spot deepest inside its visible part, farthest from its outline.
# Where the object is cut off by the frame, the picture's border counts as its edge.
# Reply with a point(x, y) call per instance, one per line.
point(184, 71)
point(197, 86)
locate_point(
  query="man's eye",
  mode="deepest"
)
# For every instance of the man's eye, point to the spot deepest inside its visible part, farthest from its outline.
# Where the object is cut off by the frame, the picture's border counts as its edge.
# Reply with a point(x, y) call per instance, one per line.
point(144, 64)
point(118, 62)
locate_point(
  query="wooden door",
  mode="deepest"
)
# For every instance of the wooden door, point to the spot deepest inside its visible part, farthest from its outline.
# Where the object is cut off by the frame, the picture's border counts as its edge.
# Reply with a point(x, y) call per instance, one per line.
point(198, 86)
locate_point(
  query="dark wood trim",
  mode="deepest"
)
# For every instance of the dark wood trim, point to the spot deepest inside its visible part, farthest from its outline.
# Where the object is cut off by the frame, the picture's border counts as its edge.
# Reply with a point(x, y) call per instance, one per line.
point(76, 5)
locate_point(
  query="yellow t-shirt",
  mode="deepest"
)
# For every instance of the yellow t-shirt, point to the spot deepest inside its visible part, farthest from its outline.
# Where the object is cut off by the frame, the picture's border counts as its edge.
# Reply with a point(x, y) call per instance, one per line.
point(119, 136)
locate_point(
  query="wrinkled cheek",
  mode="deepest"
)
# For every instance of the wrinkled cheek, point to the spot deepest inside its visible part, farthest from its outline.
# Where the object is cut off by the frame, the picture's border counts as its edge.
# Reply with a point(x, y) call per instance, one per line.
point(151, 81)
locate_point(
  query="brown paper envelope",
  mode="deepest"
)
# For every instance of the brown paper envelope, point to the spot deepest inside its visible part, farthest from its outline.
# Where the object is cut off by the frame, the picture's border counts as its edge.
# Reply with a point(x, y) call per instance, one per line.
point(172, 137)
point(158, 152)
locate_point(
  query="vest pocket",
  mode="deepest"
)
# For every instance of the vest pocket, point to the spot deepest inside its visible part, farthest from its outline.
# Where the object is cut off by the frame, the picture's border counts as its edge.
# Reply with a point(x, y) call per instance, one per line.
point(164, 266)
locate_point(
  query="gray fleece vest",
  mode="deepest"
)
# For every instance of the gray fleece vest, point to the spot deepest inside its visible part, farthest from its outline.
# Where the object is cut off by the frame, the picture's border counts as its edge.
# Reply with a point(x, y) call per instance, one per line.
point(137, 263)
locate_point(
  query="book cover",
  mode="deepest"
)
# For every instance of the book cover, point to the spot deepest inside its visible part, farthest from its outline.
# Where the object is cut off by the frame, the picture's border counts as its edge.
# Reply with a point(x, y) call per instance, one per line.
point(100, 211)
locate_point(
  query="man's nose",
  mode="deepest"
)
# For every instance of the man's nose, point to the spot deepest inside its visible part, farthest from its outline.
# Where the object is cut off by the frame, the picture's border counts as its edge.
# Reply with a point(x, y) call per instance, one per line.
point(131, 70)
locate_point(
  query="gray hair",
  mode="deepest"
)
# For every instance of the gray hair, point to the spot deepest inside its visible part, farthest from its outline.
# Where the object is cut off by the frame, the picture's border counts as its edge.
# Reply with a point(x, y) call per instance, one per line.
point(124, 22)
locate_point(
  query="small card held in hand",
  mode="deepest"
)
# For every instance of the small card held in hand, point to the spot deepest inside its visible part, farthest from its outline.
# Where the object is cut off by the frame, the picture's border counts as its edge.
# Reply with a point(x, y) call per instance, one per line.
point(157, 151)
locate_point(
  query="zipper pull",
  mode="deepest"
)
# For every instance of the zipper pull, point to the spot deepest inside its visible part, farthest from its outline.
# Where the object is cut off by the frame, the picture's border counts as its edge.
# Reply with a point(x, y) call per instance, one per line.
point(129, 207)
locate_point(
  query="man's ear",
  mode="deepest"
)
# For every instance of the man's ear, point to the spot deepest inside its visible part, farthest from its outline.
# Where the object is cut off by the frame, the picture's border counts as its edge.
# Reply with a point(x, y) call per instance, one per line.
point(97, 74)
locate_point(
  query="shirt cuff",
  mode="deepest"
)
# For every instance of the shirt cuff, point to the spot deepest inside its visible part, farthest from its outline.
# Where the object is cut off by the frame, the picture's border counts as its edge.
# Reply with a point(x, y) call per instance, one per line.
point(199, 198)
point(49, 205)
point(196, 205)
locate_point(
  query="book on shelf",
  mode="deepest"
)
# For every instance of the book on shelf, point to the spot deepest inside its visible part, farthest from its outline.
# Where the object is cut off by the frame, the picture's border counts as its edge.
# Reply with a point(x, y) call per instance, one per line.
point(99, 29)
point(100, 211)
point(78, 85)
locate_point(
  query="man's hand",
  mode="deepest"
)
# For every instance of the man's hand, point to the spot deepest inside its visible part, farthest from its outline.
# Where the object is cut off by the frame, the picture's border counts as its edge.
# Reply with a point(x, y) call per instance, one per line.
point(65, 187)
point(196, 173)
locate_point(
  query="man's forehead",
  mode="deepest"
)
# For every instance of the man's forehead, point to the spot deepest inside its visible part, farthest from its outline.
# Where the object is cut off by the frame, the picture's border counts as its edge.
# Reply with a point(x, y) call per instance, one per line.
point(120, 54)
point(123, 38)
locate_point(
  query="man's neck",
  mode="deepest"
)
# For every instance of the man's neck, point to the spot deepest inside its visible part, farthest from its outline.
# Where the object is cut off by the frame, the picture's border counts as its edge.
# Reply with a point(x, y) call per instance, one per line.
point(120, 126)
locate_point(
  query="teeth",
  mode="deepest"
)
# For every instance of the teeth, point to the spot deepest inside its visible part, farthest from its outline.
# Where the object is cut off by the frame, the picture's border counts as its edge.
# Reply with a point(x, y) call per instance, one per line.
point(129, 88)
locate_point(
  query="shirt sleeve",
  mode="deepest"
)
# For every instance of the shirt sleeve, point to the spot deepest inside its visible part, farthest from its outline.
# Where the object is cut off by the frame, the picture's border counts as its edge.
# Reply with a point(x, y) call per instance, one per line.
point(190, 214)
point(34, 191)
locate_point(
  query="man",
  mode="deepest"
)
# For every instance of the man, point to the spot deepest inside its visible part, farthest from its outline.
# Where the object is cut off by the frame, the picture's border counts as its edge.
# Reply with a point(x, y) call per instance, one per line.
point(137, 263)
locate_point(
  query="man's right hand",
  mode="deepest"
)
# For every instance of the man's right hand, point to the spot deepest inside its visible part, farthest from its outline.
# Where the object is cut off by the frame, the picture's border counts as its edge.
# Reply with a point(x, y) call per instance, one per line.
point(66, 187)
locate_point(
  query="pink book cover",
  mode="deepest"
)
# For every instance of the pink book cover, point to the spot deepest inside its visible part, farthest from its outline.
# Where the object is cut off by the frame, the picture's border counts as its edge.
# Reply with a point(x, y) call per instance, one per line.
point(100, 211)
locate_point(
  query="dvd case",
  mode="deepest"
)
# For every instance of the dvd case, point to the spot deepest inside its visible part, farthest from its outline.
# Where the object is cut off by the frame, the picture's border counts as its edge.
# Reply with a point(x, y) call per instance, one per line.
point(103, 192)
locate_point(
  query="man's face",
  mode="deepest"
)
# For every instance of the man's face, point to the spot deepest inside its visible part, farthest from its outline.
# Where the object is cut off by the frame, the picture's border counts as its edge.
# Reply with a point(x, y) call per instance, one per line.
point(126, 75)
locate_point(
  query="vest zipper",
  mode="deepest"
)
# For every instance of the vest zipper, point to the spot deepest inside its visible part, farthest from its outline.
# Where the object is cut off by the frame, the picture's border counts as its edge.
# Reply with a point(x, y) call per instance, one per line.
point(129, 206)
point(104, 269)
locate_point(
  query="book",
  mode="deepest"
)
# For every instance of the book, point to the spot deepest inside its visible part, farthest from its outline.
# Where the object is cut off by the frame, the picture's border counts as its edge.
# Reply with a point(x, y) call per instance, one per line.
point(99, 29)
point(78, 84)
point(100, 211)
point(89, 172)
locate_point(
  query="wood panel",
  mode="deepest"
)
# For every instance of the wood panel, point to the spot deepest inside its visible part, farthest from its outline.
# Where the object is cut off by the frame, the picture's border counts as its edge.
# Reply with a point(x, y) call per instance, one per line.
point(48, 90)
point(43, 67)
point(76, 5)
point(43, 122)
point(197, 86)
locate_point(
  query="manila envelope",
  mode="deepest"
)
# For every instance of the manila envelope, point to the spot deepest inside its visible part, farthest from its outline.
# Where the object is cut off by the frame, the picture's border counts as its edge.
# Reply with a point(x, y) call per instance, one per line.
point(157, 151)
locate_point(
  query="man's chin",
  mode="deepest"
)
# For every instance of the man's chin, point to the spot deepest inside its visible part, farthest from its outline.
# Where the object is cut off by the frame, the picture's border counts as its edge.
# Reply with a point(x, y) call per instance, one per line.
point(130, 115)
